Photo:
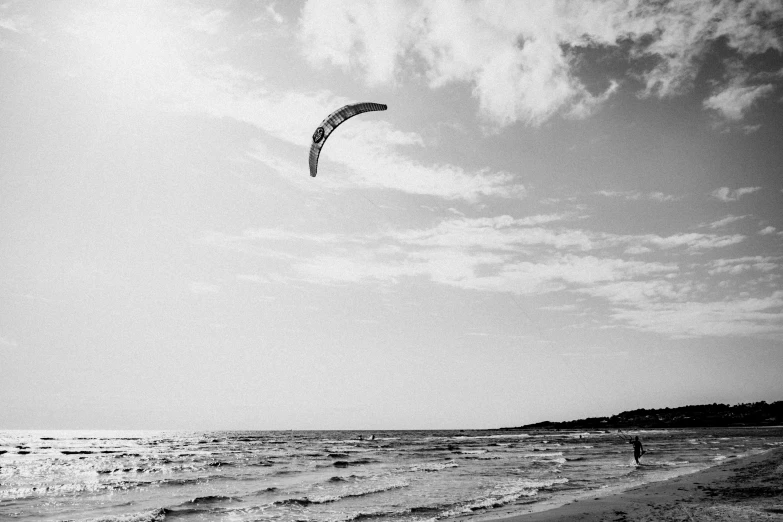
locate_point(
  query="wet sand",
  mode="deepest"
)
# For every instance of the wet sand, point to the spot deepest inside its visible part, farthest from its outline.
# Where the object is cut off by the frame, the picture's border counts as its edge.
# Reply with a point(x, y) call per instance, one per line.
point(746, 489)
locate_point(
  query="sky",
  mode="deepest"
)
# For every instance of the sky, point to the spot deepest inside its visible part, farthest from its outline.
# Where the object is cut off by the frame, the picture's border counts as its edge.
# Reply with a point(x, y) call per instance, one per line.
point(569, 209)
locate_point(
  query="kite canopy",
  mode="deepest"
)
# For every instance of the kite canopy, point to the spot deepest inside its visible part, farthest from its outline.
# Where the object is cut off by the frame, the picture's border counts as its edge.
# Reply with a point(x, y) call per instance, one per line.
point(331, 122)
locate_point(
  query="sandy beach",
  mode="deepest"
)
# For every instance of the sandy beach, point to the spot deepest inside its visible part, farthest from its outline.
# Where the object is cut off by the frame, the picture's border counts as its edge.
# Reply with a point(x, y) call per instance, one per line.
point(749, 489)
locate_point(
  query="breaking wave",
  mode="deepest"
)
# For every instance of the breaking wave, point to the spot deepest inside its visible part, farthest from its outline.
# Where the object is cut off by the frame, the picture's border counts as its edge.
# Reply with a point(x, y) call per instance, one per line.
point(323, 499)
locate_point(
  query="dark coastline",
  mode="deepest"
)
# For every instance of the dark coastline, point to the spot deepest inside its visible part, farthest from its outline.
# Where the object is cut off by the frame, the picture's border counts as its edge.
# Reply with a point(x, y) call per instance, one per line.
point(758, 414)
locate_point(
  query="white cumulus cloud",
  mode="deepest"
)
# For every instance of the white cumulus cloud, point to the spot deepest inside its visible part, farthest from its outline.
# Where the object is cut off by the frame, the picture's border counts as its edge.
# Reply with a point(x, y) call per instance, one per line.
point(519, 57)
point(733, 101)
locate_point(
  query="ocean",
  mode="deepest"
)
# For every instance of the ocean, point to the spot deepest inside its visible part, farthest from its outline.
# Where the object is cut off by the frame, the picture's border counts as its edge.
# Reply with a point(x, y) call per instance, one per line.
point(335, 476)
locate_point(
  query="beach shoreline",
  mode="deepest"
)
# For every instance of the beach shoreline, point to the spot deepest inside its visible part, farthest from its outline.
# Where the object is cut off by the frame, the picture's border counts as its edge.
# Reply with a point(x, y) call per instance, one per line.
point(746, 488)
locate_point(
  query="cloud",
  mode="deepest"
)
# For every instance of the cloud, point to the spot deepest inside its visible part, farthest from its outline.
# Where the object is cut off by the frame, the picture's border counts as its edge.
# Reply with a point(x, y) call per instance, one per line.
point(725, 221)
point(540, 219)
point(208, 21)
point(536, 255)
point(10, 24)
point(600, 354)
point(560, 308)
point(513, 76)
point(637, 249)
point(631, 195)
point(726, 194)
point(690, 240)
point(369, 151)
point(200, 287)
point(475, 270)
point(10, 343)
point(639, 292)
point(507, 233)
point(13, 19)
point(521, 58)
point(252, 278)
point(733, 101)
point(767, 231)
point(580, 270)
point(747, 317)
point(499, 233)
point(743, 264)
point(137, 54)
point(272, 12)
point(369, 148)
point(688, 30)
point(660, 196)
point(498, 254)
point(635, 195)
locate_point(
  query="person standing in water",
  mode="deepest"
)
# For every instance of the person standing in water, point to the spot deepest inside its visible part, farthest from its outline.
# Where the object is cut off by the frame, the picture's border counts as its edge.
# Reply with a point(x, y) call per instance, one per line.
point(638, 450)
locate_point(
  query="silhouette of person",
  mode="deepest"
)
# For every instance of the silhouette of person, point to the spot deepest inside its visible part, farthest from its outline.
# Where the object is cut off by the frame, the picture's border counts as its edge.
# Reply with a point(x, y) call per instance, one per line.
point(638, 450)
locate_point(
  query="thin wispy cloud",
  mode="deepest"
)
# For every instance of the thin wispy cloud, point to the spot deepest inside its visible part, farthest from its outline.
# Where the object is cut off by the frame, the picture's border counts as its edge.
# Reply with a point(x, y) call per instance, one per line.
point(6, 342)
point(693, 240)
point(10, 24)
point(743, 264)
point(202, 287)
point(505, 254)
point(276, 16)
point(753, 317)
point(369, 150)
point(636, 195)
point(727, 195)
point(720, 223)
point(208, 21)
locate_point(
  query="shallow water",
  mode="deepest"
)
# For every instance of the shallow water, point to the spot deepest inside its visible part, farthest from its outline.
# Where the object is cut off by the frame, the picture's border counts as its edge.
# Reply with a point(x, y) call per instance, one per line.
point(324, 476)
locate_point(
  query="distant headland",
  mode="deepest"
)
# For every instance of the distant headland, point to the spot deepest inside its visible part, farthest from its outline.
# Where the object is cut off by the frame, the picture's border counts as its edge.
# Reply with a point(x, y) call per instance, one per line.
point(703, 415)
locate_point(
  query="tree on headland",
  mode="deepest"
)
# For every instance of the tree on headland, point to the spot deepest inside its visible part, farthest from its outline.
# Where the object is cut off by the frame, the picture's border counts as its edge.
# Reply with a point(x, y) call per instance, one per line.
point(703, 415)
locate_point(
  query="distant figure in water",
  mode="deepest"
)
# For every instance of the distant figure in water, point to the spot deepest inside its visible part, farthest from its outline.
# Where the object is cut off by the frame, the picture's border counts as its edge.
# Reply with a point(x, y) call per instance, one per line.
point(638, 450)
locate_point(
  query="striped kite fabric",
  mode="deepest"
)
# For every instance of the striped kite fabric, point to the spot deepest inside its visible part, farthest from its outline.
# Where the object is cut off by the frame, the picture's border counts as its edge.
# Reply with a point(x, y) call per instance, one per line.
point(332, 122)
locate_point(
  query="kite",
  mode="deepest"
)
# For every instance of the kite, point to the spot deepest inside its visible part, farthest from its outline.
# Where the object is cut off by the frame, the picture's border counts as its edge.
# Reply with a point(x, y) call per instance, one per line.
point(331, 122)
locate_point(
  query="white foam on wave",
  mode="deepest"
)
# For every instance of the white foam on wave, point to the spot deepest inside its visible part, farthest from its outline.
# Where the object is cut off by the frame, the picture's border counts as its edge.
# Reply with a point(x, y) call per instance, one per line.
point(369, 490)
point(347, 493)
point(543, 455)
point(53, 489)
point(554, 457)
point(502, 495)
point(155, 515)
point(358, 515)
point(434, 466)
point(540, 484)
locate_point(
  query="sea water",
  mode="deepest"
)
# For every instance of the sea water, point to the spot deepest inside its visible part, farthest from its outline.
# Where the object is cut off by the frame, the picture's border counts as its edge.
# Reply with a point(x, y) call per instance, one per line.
point(334, 476)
